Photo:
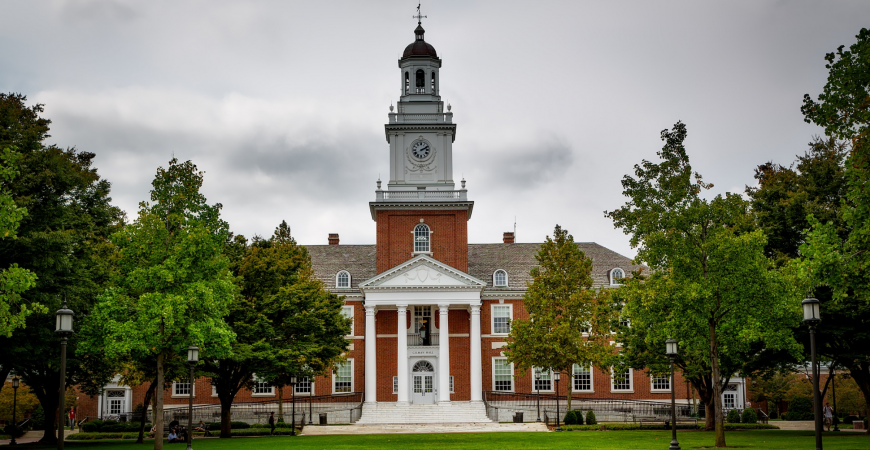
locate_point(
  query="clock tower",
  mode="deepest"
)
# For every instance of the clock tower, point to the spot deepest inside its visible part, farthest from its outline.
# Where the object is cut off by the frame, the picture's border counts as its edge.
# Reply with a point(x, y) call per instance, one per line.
point(421, 211)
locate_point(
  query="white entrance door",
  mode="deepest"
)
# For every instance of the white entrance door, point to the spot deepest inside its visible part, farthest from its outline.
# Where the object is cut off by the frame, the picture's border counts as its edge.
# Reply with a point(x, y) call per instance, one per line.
point(115, 403)
point(423, 383)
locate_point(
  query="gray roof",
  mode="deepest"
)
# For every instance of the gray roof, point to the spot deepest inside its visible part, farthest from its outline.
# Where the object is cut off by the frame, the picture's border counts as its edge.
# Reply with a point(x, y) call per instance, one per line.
point(483, 260)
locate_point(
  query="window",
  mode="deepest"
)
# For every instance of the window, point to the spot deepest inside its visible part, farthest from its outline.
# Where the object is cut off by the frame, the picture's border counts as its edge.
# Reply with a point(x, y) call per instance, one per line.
point(546, 381)
point(262, 387)
point(304, 386)
point(730, 401)
point(342, 377)
point(181, 389)
point(624, 322)
point(451, 384)
point(620, 381)
point(661, 383)
point(616, 275)
point(502, 374)
point(116, 401)
point(501, 319)
point(423, 366)
point(420, 81)
point(395, 385)
point(407, 82)
point(342, 280)
point(421, 238)
point(347, 312)
point(582, 378)
point(499, 278)
point(433, 84)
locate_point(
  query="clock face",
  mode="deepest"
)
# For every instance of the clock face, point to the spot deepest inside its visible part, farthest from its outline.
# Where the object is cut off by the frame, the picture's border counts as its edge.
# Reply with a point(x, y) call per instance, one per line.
point(421, 149)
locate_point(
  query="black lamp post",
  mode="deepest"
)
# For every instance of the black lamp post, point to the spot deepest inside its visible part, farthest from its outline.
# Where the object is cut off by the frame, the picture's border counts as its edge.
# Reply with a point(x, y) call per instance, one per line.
point(671, 351)
point(192, 358)
point(556, 377)
point(63, 327)
point(15, 382)
point(310, 401)
point(538, 388)
point(811, 318)
point(293, 397)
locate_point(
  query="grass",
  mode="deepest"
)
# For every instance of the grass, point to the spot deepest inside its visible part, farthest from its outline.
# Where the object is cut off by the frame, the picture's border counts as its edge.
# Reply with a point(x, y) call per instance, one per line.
point(791, 440)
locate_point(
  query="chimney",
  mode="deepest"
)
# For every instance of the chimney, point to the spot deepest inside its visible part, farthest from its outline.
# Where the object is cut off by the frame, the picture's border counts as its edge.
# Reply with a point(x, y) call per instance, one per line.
point(333, 238)
point(508, 237)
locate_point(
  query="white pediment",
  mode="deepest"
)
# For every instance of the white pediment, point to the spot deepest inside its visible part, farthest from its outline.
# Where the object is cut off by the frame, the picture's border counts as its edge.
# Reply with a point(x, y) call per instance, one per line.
point(423, 272)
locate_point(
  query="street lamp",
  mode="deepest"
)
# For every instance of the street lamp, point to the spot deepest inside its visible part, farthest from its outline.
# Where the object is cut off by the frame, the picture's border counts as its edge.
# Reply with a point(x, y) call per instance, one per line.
point(811, 318)
point(556, 376)
point(192, 358)
point(293, 402)
point(64, 328)
point(538, 388)
point(671, 351)
point(15, 382)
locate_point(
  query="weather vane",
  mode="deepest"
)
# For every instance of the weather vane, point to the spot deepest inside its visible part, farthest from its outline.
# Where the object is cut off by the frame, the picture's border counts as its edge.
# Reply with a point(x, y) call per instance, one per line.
point(419, 16)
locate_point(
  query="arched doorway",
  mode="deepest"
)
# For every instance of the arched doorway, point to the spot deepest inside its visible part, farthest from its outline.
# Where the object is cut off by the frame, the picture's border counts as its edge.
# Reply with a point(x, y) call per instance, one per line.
point(423, 383)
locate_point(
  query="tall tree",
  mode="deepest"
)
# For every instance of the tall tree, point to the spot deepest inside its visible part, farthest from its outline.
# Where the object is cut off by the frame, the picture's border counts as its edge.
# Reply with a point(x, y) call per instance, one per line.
point(175, 285)
point(708, 268)
point(569, 322)
point(63, 240)
point(283, 319)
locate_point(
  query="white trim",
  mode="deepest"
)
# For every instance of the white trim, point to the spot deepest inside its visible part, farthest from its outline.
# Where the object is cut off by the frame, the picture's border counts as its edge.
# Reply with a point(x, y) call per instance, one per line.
point(349, 280)
point(543, 371)
point(304, 394)
point(255, 381)
point(192, 390)
point(334, 374)
point(506, 281)
point(351, 308)
point(630, 378)
point(214, 393)
point(428, 250)
point(613, 281)
point(513, 381)
point(652, 384)
point(591, 379)
point(492, 317)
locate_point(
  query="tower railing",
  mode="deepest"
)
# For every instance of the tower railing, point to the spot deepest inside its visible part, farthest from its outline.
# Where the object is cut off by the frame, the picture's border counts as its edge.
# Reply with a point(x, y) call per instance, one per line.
point(421, 118)
point(421, 195)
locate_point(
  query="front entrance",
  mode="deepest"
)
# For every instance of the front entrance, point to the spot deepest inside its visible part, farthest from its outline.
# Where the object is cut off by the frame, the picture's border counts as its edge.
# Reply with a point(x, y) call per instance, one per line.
point(423, 383)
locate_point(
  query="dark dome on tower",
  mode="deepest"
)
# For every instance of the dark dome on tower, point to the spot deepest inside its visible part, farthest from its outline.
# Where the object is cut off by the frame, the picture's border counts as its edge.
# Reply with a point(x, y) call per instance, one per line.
point(419, 47)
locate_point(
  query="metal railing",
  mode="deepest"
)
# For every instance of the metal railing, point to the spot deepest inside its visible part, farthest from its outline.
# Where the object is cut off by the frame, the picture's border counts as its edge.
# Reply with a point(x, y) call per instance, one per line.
point(460, 195)
point(421, 117)
point(416, 340)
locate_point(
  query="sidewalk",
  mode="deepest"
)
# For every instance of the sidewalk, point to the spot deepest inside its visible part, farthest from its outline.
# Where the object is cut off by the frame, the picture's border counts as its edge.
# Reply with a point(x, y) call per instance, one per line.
point(806, 425)
point(34, 436)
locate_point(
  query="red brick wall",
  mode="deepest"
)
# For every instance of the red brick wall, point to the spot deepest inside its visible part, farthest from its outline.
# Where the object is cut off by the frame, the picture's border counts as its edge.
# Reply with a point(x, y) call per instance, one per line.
point(395, 242)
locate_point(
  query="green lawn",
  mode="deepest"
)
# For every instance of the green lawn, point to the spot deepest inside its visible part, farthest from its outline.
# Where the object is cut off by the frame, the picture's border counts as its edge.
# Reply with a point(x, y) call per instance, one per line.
point(616, 440)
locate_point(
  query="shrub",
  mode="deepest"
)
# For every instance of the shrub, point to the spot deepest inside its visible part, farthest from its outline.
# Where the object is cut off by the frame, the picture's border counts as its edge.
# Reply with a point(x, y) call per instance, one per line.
point(233, 425)
point(12, 430)
point(733, 416)
point(570, 418)
point(114, 428)
point(799, 408)
point(749, 416)
point(579, 416)
point(590, 418)
point(38, 418)
point(89, 427)
point(108, 422)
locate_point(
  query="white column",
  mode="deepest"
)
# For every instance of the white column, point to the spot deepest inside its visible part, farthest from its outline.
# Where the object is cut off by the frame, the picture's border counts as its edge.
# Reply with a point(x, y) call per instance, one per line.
point(402, 366)
point(443, 356)
point(475, 364)
point(371, 357)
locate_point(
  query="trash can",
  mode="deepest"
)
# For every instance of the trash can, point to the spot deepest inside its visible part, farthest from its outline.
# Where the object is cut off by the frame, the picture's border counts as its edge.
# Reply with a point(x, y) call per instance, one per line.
point(323, 418)
point(518, 417)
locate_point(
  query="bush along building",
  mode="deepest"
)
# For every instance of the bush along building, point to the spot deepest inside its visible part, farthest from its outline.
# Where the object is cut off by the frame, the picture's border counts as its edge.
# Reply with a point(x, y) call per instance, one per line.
point(430, 311)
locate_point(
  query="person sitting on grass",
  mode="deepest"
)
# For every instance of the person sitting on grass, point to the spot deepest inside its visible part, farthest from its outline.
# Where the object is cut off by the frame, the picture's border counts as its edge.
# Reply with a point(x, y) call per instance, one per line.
point(200, 427)
point(153, 431)
point(173, 437)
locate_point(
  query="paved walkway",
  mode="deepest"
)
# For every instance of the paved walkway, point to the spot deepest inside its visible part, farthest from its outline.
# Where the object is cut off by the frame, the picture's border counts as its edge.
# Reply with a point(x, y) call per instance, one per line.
point(804, 425)
point(34, 436)
point(315, 430)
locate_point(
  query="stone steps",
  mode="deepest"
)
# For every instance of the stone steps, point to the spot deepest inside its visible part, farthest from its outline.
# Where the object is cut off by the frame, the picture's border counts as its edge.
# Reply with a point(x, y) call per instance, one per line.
point(454, 412)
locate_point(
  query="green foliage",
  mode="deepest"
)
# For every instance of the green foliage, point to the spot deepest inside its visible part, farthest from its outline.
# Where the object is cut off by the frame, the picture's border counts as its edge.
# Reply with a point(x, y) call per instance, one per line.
point(799, 408)
point(570, 418)
point(38, 417)
point(561, 305)
point(662, 426)
point(27, 402)
point(590, 418)
point(89, 427)
point(234, 425)
point(12, 430)
point(749, 416)
point(733, 416)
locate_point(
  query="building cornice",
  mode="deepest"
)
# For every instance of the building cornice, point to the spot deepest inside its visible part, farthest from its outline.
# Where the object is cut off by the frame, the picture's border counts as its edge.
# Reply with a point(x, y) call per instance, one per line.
point(414, 126)
point(374, 207)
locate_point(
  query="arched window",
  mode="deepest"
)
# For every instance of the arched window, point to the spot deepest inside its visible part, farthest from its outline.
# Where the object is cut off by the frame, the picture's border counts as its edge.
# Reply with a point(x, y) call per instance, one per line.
point(421, 81)
point(433, 84)
point(616, 275)
point(342, 280)
point(407, 82)
point(499, 278)
point(421, 238)
point(423, 366)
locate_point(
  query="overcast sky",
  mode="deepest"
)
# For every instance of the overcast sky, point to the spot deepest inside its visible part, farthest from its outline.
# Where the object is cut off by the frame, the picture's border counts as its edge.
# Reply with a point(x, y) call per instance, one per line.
point(282, 104)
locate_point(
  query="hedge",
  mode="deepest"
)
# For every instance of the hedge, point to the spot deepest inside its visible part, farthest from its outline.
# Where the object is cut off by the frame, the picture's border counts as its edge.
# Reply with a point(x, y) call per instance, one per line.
point(661, 426)
point(242, 432)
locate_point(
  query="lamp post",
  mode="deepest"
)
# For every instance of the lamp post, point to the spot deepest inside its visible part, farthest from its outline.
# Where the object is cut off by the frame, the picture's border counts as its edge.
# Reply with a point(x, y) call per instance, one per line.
point(556, 377)
point(15, 382)
point(192, 358)
point(293, 402)
point(310, 401)
point(671, 351)
point(811, 318)
point(833, 375)
point(538, 388)
point(63, 327)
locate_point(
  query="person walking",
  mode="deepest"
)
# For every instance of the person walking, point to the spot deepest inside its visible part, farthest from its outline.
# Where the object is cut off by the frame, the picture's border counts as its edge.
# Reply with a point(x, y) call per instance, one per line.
point(72, 418)
point(272, 423)
point(829, 415)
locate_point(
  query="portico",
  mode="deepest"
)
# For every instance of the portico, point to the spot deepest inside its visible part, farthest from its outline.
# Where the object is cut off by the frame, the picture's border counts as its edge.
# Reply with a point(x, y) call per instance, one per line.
point(423, 288)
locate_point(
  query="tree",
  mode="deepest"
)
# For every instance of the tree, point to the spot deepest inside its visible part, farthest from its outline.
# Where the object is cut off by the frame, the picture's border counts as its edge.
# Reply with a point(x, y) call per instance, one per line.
point(64, 241)
point(772, 389)
point(284, 320)
point(708, 269)
point(837, 254)
point(175, 285)
point(569, 322)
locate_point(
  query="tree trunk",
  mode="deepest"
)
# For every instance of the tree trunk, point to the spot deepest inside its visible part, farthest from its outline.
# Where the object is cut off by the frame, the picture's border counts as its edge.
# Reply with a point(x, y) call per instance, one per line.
point(145, 402)
point(280, 403)
point(226, 405)
point(568, 393)
point(705, 395)
point(717, 387)
point(48, 400)
point(158, 404)
point(861, 374)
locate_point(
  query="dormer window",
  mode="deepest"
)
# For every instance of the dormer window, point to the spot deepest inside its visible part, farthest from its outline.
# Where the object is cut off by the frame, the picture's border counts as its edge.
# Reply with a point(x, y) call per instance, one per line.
point(616, 276)
point(342, 280)
point(421, 238)
point(499, 278)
